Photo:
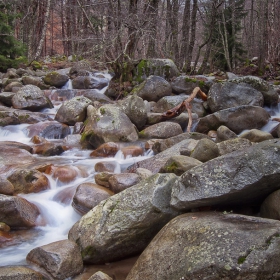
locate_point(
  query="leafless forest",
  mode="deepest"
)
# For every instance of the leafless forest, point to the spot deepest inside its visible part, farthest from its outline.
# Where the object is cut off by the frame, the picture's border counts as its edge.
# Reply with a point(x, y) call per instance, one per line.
point(213, 34)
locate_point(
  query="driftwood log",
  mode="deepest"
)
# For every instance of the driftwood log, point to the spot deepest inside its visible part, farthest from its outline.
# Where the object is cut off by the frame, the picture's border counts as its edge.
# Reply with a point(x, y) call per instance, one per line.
point(185, 105)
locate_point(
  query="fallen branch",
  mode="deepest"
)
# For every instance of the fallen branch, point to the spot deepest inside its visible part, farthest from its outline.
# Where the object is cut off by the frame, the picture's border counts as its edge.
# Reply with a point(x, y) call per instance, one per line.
point(185, 105)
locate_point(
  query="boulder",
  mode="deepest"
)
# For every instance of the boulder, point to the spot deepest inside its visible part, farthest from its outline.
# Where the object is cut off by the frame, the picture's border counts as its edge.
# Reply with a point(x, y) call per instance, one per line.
point(74, 110)
point(231, 145)
point(270, 208)
point(56, 79)
point(205, 150)
point(186, 84)
point(13, 86)
point(19, 273)
point(228, 94)
point(6, 98)
point(92, 82)
point(88, 195)
point(63, 173)
point(132, 151)
point(102, 178)
point(49, 129)
point(224, 133)
point(269, 93)
point(99, 275)
point(134, 107)
point(120, 182)
point(80, 68)
point(155, 163)
point(179, 164)
point(6, 187)
point(95, 95)
point(28, 181)
point(61, 259)
point(31, 98)
point(161, 67)
point(17, 212)
point(241, 177)
point(47, 148)
point(108, 149)
point(256, 135)
point(153, 89)
point(236, 119)
point(125, 223)
point(212, 246)
point(161, 130)
point(168, 102)
point(35, 81)
point(105, 166)
point(10, 116)
point(108, 124)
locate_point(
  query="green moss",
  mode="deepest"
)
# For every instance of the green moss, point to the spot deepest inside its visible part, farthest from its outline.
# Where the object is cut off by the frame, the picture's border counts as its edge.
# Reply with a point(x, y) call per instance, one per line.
point(102, 111)
point(141, 70)
point(89, 251)
point(190, 80)
point(36, 65)
point(241, 259)
point(277, 83)
point(172, 167)
point(142, 134)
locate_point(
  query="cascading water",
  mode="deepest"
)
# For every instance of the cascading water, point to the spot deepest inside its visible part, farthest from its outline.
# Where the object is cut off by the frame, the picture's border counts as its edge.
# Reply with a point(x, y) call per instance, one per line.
point(57, 215)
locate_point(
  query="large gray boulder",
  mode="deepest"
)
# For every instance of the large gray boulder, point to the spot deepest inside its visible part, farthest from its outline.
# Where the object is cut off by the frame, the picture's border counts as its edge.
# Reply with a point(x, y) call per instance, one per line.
point(236, 119)
point(61, 259)
point(134, 107)
point(108, 124)
point(227, 95)
point(153, 89)
point(269, 93)
point(74, 110)
point(56, 79)
point(186, 84)
point(17, 212)
point(212, 246)
point(241, 177)
point(124, 224)
point(31, 98)
point(35, 81)
point(270, 208)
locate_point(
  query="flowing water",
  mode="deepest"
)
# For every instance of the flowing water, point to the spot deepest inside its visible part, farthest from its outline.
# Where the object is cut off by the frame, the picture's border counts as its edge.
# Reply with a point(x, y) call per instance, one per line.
point(57, 215)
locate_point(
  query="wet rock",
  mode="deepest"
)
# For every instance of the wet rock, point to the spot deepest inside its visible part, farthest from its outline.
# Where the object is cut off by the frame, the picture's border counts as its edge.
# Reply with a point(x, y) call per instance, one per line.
point(13, 86)
point(270, 95)
point(108, 124)
point(132, 151)
point(49, 129)
point(231, 145)
point(47, 148)
point(255, 135)
point(28, 181)
point(224, 133)
point(241, 177)
point(72, 111)
point(17, 212)
point(205, 150)
point(61, 259)
point(168, 102)
point(120, 182)
point(186, 84)
point(143, 173)
point(228, 94)
point(56, 79)
point(163, 144)
point(236, 119)
point(11, 74)
point(19, 273)
point(92, 82)
point(102, 178)
point(30, 98)
point(88, 195)
point(270, 208)
point(6, 187)
point(35, 81)
point(64, 174)
point(155, 163)
point(17, 145)
point(6, 98)
point(80, 68)
point(134, 107)
point(179, 165)
point(95, 95)
point(105, 166)
point(125, 223)
point(153, 89)
point(99, 275)
point(11, 116)
point(212, 246)
point(106, 150)
point(161, 130)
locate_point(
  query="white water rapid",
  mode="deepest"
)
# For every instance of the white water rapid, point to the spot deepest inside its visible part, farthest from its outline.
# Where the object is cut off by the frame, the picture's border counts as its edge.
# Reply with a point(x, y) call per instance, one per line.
point(56, 213)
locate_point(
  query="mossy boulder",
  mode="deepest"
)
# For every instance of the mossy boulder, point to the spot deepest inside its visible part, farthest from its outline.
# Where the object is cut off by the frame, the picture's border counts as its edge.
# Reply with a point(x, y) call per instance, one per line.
point(56, 79)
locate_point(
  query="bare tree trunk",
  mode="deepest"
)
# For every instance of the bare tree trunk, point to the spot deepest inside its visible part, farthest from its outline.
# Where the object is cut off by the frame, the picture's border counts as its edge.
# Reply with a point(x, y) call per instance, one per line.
point(42, 38)
point(185, 33)
point(132, 31)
